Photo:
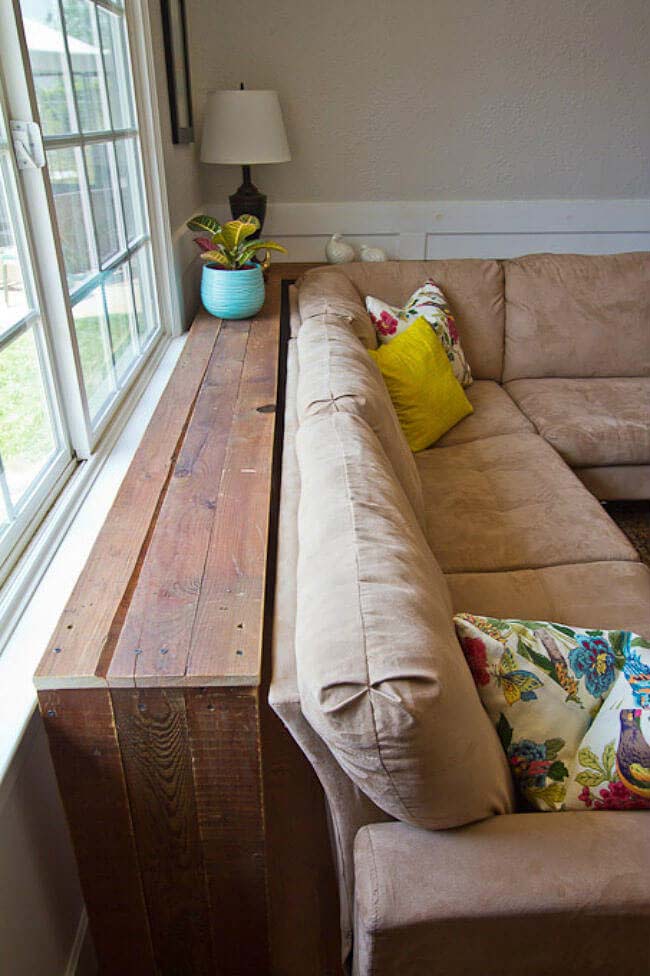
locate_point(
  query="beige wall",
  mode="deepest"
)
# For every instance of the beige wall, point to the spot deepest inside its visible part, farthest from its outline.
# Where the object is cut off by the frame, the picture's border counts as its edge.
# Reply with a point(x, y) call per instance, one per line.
point(182, 176)
point(434, 99)
point(40, 897)
point(181, 162)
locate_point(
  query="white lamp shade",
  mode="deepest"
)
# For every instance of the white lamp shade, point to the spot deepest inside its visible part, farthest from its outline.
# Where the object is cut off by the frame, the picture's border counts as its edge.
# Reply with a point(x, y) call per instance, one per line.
point(244, 127)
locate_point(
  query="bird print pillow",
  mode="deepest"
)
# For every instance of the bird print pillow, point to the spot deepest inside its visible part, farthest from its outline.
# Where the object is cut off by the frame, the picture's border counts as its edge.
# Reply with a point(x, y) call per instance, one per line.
point(571, 707)
point(427, 302)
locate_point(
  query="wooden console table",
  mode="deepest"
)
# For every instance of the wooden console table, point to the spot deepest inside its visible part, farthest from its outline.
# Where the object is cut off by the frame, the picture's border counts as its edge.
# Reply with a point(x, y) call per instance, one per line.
point(179, 784)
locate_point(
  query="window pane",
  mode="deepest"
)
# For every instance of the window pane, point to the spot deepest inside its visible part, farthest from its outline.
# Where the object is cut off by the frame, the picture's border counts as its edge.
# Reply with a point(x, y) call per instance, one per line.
point(118, 75)
point(102, 197)
point(128, 169)
point(119, 303)
point(4, 518)
point(86, 62)
point(143, 293)
point(94, 350)
point(72, 214)
point(49, 66)
point(14, 303)
point(27, 437)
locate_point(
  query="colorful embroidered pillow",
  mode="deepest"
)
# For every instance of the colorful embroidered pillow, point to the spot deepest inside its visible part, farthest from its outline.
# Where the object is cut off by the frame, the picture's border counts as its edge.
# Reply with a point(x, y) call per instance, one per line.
point(571, 706)
point(429, 303)
point(427, 397)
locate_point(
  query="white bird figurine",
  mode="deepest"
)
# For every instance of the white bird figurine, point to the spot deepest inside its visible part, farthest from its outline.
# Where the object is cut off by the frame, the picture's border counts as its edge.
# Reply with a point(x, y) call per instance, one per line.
point(372, 253)
point(338, 251)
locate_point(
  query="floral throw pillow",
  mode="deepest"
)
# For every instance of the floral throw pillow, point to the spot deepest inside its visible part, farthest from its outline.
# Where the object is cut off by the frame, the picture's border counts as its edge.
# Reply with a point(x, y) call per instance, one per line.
point(571, 707)
point(427, 302)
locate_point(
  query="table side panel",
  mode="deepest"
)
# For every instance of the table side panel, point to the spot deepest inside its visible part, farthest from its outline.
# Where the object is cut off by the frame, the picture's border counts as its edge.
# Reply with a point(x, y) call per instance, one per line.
point(86, 754)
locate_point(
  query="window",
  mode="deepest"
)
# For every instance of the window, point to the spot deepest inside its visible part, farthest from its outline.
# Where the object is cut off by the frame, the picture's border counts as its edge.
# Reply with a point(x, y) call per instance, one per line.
point(80, 68)
point(80, 312)
point(34, 450)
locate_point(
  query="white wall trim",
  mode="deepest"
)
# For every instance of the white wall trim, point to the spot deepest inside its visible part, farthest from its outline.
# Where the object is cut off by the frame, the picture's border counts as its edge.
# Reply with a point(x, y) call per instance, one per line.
point(455, 228)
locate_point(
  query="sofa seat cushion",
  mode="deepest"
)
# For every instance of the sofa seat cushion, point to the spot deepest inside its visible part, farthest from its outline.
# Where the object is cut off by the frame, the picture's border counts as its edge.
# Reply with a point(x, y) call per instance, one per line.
point(381, 675)
point(337, 375)
point(565, 894)
point(510, 502)
point(494, 413)
point(590, 422)
point(577, 315)
point(611, 595)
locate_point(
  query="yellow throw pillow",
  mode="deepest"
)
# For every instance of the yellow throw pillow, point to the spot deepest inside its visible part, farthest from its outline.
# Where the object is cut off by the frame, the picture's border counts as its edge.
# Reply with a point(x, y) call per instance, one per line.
point(427, 397)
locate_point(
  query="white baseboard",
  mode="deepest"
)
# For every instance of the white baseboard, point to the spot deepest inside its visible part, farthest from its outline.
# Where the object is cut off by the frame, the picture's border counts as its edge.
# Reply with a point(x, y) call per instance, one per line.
point(82, 960)
point(452, 228)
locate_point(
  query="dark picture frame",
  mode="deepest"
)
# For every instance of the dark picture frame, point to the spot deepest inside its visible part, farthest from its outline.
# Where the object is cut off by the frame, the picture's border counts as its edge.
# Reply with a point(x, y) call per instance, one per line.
point(174, 25)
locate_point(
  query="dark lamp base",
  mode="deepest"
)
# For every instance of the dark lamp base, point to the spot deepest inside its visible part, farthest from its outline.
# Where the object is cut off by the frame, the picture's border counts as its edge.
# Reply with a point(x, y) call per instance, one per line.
point(248, 200)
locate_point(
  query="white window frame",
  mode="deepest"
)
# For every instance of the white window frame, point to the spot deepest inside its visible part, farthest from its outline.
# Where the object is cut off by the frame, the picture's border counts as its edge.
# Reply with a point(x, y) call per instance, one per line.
point(21, 573)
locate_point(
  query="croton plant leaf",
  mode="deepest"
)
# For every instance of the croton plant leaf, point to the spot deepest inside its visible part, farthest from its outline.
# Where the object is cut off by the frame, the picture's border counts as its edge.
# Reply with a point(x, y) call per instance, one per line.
point(216, 257)
point(251, 249)
point(233, 233)
point(204, 224)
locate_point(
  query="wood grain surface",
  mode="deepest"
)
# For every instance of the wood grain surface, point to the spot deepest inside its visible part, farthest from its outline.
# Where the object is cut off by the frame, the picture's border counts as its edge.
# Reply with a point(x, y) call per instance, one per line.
point(88, 763)
point(80, 649)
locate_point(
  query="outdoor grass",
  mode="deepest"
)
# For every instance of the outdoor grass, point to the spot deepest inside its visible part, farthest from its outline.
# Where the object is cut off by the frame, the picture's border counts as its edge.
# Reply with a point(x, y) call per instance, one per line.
point(26, 436)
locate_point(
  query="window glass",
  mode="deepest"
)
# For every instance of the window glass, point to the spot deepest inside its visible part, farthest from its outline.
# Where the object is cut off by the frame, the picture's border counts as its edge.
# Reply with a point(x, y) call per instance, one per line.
point(143, 292)
point(130, 179)
point(27, 436)
point(94, 350)
point(99, 166)
point(74, 218)
point(85, 53)
point(121, 319)
point(118, 77)
point(14, 303)
point(48, 58)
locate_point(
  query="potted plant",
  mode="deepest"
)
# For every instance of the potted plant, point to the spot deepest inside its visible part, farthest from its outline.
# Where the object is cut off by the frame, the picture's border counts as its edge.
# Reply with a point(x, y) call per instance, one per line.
point(232, 284)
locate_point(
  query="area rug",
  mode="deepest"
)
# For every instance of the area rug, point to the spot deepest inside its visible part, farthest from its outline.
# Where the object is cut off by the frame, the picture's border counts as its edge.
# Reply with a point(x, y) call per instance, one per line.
point(634, 519)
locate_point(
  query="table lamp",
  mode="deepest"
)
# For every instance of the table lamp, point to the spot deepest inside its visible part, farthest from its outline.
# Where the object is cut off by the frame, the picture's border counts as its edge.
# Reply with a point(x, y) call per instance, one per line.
point(244, 127)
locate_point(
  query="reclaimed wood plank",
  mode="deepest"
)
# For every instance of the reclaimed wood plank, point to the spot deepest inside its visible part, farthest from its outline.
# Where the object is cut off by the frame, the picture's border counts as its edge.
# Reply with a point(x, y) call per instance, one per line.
point(153, 736)
point(86, 755)
point(231, 601)
point(81, 646)
point(153, 646)
point(224, 735)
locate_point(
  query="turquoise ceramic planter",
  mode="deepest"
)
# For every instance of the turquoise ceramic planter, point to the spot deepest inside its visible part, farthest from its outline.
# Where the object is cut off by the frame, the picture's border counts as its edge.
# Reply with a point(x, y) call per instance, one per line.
point(232, 294)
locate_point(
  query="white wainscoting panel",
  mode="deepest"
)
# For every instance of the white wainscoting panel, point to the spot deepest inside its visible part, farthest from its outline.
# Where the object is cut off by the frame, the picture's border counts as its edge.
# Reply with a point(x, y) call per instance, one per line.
point(513, 245)
point(460, 228)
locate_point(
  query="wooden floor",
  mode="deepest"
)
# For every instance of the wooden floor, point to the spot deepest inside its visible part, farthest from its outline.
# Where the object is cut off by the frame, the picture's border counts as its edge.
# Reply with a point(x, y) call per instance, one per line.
point(172, 769)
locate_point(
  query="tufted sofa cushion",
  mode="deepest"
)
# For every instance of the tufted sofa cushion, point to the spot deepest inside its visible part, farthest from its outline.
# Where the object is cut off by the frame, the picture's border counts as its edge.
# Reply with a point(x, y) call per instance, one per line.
point(381, 675)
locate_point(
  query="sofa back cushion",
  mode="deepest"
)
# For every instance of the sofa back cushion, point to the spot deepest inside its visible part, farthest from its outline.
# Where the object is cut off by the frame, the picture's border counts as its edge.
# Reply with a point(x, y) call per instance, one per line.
point(381, 675)
point(337, 375)
point(575, 315)
point(472, 287)
point(328, 292)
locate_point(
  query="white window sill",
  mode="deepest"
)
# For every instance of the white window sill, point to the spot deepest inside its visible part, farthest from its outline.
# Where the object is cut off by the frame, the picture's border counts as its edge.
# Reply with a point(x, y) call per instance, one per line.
point(28, 641)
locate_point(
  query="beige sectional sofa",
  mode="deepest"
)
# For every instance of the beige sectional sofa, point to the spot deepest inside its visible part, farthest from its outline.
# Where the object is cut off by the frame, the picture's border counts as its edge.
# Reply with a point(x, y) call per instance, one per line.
point(438, 871)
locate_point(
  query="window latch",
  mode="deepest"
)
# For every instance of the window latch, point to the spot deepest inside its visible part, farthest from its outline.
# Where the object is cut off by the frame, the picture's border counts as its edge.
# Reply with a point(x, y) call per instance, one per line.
point(28, 144)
